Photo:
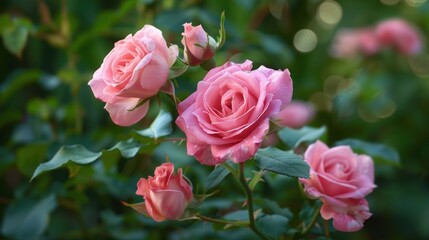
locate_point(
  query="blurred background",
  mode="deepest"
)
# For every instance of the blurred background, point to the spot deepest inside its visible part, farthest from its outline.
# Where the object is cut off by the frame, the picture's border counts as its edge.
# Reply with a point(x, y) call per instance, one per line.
point(50, 49)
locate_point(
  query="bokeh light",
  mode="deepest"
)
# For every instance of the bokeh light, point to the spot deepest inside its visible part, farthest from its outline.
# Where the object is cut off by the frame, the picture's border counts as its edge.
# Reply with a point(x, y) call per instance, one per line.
point(415, 3)
point(305, 40)
point(329, 12)
point(389, 2)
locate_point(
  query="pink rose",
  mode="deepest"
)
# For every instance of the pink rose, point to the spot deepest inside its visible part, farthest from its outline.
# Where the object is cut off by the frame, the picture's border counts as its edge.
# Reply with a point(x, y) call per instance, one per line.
point(199, 46)
point(295, 115)
point(134, 70)
point(228, 116)
point(399, 34)
point(341, 179)
point(166, 195)
point(351, 42)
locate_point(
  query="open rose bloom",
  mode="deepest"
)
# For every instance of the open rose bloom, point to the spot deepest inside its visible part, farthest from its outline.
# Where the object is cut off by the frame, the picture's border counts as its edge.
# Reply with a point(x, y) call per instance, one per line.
point(340, 179)
point(134, 70)
point(166, 195)
point(228, 116)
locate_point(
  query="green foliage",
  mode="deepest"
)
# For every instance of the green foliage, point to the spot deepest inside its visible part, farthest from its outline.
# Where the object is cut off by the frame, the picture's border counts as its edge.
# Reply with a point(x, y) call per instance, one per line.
point(216, 177)
point(295, 137)
point(273, 225)
point(15, 33)
point(385, 153)
point(74, 153)
point(160, 127)
point(80, 155)
point(28, 218)
point(282, 162)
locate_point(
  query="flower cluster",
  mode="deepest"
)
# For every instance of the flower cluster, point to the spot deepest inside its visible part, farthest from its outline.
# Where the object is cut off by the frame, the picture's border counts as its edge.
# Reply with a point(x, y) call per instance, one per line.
point(395, 34)
point(340, 179)
point(227, 118)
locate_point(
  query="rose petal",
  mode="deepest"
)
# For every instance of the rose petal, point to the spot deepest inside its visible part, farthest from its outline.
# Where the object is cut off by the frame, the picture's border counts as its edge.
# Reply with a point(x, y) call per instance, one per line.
point(122, 112)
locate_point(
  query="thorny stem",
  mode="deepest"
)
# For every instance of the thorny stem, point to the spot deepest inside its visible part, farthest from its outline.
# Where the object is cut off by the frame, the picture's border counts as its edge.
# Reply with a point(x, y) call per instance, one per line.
point(249, 196)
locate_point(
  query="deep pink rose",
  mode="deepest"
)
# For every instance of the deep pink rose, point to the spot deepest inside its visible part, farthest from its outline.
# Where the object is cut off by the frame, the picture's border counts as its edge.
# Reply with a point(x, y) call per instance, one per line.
point(166, 195)
point(199, 46)
point(341, 179)
point(133, 71)
point(400, 35)
point(228, 116)
point(351, 42)
point(295, 115)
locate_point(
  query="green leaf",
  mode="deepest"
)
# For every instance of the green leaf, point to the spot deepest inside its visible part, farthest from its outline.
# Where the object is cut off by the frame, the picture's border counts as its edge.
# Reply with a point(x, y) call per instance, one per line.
point(128, 148)
point(75, 153)
point(294, 137)
point(378, 151)
point(216, 177)
point(239, 215)
point(27, 219)
point(178, 68)
point(78, 154)
point(281, 162)
point(15, 36)
point(273, 225)
point(160, 127)
point(139, 207)
point(274, 207)
point(222, 34)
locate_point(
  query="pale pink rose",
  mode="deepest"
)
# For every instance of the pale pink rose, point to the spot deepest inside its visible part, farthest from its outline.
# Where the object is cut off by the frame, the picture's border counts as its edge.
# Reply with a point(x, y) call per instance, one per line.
point(166, 195)
point(340, 179)
point(295, 115)
point(352, 42)
point(133, 71)
point(228, 116)
point(399, 34)
point(199, 46)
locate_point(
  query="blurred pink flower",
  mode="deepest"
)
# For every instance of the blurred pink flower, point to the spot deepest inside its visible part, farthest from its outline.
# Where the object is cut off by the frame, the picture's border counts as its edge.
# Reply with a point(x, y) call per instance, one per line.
point(133, 71)
point(295, 115)
point(400, 35)
point(199, 46)
point(340, 179)
point(351, 42)
point(228, 116)
point(166, 195)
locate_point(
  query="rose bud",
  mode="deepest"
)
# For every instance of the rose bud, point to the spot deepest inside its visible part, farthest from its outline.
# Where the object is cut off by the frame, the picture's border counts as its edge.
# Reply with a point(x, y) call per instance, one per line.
point(166, 195)
point(199, 46)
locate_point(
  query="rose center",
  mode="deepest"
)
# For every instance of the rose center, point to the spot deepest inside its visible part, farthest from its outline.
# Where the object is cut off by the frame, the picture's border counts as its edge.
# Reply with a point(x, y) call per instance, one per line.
point(231, 101)
point(338, 169)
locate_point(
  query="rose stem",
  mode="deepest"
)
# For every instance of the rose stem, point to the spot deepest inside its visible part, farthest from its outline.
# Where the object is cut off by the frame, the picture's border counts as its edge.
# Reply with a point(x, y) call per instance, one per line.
point(215, 220)
point(248, 192)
